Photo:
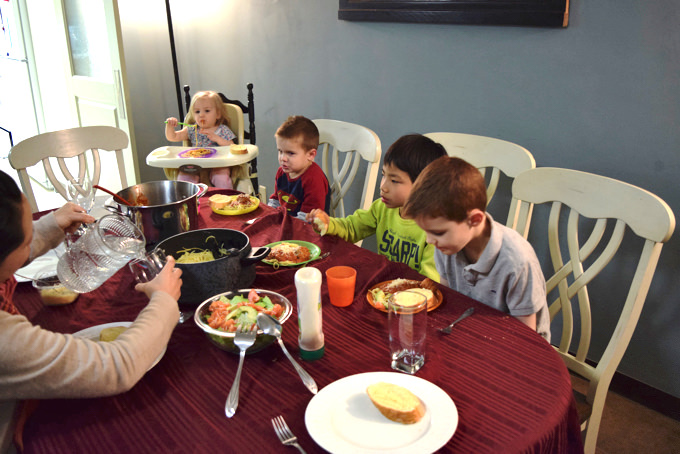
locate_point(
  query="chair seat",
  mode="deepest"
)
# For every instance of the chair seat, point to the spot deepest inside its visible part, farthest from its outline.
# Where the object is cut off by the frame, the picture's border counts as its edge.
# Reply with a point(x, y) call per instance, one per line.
point(583, 408)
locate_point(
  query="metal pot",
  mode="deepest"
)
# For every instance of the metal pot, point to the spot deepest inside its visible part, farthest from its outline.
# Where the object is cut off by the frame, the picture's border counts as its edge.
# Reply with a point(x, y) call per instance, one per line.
point(161, 208)
point(203, 280)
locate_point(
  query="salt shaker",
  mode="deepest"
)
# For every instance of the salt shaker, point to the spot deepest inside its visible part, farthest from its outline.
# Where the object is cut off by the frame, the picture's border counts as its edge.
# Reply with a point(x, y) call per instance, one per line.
point(310, 339)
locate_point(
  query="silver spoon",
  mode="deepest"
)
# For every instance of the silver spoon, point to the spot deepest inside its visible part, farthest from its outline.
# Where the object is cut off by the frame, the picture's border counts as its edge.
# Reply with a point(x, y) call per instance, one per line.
point(447, 330)
point(272, 327)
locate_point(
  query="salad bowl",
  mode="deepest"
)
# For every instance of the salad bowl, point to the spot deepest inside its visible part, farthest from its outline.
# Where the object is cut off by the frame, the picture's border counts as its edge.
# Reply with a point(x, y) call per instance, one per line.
point(224, 340)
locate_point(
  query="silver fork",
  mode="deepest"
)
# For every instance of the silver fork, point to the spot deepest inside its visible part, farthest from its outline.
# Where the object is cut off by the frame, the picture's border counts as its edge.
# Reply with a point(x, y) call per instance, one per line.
point(447, 330)
point(285, 434)
point(243, 339)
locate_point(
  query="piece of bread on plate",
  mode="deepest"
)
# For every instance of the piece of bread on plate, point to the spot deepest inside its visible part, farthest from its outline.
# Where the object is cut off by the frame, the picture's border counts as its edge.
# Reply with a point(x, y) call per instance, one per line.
point(238, 149)
point(111, 334)
point(219, 201)
point(427, 293)
point(396, 403)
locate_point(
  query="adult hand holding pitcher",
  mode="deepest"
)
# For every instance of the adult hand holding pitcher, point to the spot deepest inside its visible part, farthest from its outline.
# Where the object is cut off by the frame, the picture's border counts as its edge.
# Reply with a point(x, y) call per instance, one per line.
point(407, 326)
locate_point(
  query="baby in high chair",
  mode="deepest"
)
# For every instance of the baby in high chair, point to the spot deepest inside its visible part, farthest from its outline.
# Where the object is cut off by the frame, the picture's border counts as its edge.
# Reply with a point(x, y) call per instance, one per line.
point(208, 126)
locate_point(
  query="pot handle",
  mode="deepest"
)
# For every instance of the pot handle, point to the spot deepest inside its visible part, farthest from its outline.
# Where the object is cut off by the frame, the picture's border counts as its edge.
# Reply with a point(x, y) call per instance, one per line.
point(203, 189)
point(256, 255)
point(112, 208)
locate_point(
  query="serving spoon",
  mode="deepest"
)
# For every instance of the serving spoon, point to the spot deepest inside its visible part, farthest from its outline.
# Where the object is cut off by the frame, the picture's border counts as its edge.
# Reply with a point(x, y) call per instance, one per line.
point(118, 198)
point(272, 327)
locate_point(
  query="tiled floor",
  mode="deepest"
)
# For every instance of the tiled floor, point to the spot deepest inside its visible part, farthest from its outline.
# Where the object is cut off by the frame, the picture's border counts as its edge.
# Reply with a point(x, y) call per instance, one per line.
point(628, 427)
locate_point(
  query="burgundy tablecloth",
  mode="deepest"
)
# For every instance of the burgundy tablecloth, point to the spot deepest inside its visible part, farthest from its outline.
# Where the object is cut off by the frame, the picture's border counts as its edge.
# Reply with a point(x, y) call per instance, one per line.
point(512, 391)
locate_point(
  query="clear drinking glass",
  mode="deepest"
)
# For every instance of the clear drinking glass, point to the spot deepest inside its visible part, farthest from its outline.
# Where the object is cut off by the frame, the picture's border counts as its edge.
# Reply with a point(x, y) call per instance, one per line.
point(81, 192)
point(407, 323)
point(146, 268)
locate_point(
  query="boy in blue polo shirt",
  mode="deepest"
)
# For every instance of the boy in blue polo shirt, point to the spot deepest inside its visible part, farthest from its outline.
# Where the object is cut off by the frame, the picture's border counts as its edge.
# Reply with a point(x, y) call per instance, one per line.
point(476, 255)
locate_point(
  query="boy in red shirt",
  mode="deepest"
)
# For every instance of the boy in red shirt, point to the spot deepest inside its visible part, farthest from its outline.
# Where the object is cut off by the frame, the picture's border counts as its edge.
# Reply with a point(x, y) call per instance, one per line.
point(300, 185)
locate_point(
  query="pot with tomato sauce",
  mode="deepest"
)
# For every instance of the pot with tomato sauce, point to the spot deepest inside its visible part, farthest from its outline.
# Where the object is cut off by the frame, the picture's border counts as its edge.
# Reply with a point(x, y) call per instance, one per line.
point(161, 209)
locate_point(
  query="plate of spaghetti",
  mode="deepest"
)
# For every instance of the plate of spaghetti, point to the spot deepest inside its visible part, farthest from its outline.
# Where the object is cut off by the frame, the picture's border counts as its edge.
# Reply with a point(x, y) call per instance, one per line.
point(198, 153)
point(291, 253)
point(231, 205)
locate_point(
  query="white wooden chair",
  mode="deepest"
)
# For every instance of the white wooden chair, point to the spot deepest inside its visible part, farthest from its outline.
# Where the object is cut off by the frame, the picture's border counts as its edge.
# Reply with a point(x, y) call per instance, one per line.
point(65, 144)
point(608, 206)
point(355, 143)
point(491, 156)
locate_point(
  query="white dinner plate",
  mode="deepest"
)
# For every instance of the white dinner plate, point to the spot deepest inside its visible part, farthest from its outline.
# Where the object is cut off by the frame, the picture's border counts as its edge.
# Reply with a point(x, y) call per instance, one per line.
point(92, 333)
point(341, 417)
point(43, 264)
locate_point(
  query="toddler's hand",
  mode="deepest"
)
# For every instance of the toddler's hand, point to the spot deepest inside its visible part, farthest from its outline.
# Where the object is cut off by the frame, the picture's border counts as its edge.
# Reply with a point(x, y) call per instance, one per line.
point(172, 122)
point(319, 220)
point(168, 281)
point(210, 134)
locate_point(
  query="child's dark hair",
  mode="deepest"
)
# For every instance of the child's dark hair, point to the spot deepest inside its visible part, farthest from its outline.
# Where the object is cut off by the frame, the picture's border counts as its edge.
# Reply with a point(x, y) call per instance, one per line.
point(298, 126)
point(11, 211)
point(412, 153)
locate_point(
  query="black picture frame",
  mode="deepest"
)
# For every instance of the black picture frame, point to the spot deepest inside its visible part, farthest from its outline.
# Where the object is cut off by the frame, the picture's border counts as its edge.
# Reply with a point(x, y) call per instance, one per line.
point(533, 13)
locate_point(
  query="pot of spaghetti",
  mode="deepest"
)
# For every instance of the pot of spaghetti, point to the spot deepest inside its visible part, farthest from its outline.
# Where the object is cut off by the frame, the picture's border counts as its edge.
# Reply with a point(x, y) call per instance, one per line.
point(161, 209)
point(212, 261)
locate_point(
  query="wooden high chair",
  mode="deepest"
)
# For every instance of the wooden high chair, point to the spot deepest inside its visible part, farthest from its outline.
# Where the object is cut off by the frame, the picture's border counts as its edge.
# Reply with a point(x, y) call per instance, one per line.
point(235, 112)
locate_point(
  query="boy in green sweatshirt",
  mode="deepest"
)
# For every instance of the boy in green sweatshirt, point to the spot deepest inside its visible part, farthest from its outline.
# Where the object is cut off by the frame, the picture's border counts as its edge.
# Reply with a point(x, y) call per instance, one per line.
point(399, 239)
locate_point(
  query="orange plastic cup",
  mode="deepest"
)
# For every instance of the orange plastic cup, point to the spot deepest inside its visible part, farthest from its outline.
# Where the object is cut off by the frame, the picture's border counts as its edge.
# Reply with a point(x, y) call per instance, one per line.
point(341, 281)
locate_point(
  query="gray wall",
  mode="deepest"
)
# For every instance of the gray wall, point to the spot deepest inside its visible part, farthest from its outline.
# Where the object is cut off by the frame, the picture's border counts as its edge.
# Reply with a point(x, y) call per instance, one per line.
point(600, 96)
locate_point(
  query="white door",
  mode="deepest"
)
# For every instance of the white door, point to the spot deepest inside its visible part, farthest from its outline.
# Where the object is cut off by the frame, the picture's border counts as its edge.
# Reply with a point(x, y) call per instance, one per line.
point(97, 82)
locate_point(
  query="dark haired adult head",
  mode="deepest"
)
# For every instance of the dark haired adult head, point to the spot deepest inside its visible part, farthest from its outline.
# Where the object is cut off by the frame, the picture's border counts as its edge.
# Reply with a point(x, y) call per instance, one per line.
point(11, 211)
point(412, 153)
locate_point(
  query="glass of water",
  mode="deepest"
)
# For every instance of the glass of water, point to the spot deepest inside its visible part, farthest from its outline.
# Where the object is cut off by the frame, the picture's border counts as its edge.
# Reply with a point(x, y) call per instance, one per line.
point(146, 268)
point(407, 323)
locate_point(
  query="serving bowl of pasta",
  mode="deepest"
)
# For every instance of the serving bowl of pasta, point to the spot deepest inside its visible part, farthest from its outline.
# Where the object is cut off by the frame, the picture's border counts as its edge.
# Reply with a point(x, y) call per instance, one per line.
point(212, 261)
point(220, 316)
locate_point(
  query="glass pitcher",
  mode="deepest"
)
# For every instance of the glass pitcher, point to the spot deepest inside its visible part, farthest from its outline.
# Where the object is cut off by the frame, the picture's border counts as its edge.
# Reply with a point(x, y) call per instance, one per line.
point(101, 249)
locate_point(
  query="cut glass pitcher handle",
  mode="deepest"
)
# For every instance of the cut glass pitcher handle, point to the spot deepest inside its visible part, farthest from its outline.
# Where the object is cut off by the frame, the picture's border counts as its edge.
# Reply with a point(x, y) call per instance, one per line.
point(71, 238)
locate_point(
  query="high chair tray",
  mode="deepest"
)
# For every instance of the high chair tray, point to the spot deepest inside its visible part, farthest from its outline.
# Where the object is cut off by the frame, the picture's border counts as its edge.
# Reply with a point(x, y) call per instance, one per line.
point(169, 157)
